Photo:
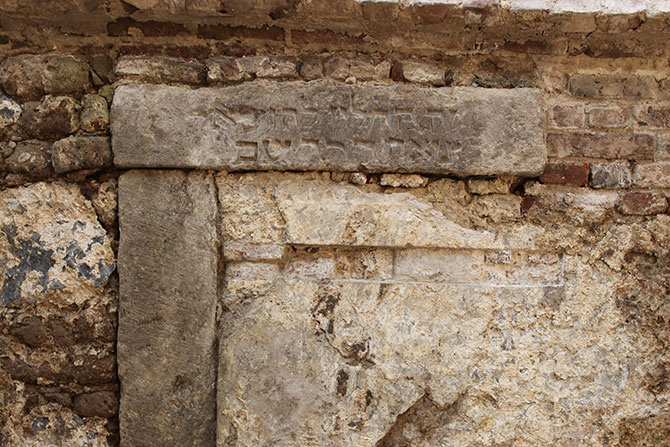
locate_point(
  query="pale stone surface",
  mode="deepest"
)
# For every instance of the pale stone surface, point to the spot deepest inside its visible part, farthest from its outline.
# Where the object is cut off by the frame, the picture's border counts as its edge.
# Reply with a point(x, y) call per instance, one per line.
point(167, 308)
point(403, 180)
point(326, 126)
point(10, 111)
point(355, 339)
point(652, 175)
point(52, 248)
point(325, 214)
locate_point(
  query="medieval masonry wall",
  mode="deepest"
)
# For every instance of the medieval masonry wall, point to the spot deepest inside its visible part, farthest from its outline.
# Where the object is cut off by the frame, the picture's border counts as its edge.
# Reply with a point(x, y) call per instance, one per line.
point(335, 223)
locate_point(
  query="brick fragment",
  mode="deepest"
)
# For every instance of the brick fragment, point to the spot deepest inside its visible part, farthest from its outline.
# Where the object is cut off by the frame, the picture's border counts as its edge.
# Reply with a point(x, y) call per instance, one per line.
point(633, 146)
point(76, 153)
point(653, 116)
point(28, 77)
point(224, 32)
point(608, 117)
point(652, 175)
point(643, 203)
point(612, 86)
point(611, 175)
point(566, 173)
point(565, 116)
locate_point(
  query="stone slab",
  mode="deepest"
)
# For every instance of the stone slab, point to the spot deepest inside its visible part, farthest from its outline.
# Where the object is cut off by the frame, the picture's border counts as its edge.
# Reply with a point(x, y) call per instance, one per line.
point(327, 126)
point(167, 308)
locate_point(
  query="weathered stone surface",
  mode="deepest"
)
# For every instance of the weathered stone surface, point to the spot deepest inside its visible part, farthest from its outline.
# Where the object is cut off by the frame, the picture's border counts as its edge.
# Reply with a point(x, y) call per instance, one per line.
point(52, 117)
point(324, 214)
point(611, 175)
point(403, 180)
point(32, 158)
point(27, 78)
point(160, 69)
point(52, 247)
point(10, 111)
point(324, 126)
point(168, 269)
point(74, 153)
point(94, 114)
point(652, 175)
point(643, 203)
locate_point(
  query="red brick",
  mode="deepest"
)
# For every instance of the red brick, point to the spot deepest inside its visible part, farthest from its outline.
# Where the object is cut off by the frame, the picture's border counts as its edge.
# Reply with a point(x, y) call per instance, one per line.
point(223, 32)
point(633, 146)
point(608, 117)
point(563, 116)
point(643, 203)
point(566, 173)
point(612, 86)
point(655, 116)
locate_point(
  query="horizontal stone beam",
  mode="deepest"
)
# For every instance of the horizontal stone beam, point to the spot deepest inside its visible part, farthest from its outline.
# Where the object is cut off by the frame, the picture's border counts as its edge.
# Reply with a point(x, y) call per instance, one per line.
point(324, 126)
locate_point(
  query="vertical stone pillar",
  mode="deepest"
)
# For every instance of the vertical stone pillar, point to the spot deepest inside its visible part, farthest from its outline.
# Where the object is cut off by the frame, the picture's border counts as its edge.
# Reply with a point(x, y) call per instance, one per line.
point(167, 311)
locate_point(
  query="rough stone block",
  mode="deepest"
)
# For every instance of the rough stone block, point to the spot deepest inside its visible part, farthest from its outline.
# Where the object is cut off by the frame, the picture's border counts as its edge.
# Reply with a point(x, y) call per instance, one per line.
point(28, 78)
point(419, 72)
point(403, 180)
point(74, 153)
point(52, 117)
point(643, 203)
point(632, 146)
point(566, 116)
point(104, 404)
point(653, 116)
point(9, 111)
point(663, 147)
point(612, 86)
point(322, 126)
point(566, 173)
point(94, 114)
point(609, 117)
point(611, 175)
point(652, 175)
point(498, 185)
point(160, 69)
point(30, 157)
point(167, 308)
point(231, 69)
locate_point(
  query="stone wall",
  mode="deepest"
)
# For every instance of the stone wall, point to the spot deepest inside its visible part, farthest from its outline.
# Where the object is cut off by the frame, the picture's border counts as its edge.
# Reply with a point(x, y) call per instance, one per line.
point(523, 303)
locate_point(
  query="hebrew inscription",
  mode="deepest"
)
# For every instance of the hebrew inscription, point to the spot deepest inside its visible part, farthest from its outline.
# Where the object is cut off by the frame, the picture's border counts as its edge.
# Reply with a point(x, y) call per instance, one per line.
point(325, 126)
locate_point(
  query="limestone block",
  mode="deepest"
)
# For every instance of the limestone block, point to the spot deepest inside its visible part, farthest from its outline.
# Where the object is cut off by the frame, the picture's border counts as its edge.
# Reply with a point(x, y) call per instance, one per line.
point(52, 248)
point(326, 126)
point(167, 308)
